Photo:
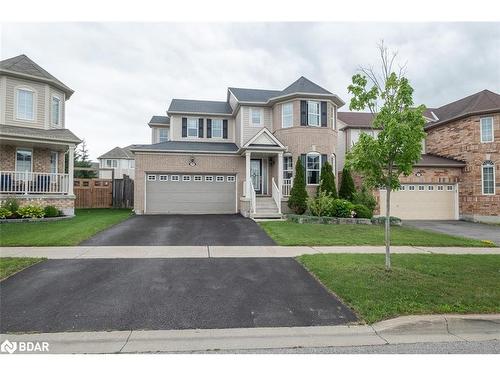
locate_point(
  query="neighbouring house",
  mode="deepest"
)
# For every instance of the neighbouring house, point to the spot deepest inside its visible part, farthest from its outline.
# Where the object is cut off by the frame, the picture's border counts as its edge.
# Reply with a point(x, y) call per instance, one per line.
point(236, 155)
point(117, 162)
point(37, 151)
point(457, 176)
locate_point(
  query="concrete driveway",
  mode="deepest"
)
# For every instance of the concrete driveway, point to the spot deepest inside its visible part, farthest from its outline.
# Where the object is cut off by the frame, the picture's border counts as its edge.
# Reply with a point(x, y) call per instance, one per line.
point(155, 294)
point(459, 228)
point(183, 230)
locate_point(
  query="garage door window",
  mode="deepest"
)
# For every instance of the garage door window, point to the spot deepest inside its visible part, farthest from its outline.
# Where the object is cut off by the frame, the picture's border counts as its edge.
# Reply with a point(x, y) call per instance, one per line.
point(163, 177)
point(430, 188)
point(174, 178)
point(186, 178)
point(411, 187)
point(402, 188)
point(151, 177)
point(449, 187)
point(440, 188)
point(209, 178)
point(421, 187)
point(219, 179)
point(198, 178)
point(231, 179)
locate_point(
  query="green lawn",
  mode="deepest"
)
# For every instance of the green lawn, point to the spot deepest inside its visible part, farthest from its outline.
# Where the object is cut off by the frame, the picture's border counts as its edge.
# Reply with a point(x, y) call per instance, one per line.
point(286, 233)
point(68, 232)
point(9, 266)
point(417, 284)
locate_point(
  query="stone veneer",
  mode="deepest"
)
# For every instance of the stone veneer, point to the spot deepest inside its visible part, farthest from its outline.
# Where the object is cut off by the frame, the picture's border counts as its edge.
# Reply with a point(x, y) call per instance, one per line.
point(64, 203)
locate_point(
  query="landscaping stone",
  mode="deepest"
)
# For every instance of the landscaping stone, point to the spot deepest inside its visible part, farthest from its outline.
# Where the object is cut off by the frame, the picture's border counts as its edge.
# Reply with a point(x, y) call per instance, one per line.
point(306, 219)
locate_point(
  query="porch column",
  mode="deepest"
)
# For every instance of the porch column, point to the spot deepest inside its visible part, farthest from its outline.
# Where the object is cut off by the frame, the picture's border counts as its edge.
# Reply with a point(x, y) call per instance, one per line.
point(71, 168)
point(247, 168)
point(280, 173)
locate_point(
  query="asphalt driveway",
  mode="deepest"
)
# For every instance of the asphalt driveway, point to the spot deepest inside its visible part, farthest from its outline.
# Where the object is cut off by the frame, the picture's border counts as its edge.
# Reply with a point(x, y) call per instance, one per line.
point(153, 294)
point(183, 230)
point(459, 228)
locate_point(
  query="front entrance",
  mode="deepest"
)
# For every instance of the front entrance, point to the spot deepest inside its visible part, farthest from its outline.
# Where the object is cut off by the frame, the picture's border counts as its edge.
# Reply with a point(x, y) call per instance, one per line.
point(256, 174)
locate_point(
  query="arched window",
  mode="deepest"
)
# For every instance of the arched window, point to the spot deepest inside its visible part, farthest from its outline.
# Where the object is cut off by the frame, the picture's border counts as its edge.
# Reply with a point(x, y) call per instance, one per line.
point(313, 168)
point(488, 177)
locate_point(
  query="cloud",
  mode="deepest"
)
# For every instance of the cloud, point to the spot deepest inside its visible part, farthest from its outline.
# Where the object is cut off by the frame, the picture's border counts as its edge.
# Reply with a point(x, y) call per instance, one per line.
point(123, 73)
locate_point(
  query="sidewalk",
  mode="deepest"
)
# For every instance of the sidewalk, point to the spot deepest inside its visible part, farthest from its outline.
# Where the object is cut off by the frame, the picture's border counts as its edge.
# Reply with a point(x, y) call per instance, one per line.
point(409, 329)
point(95, 252)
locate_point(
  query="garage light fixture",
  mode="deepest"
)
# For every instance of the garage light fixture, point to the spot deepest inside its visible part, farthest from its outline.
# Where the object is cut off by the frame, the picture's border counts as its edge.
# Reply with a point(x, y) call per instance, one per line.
point(192, 162)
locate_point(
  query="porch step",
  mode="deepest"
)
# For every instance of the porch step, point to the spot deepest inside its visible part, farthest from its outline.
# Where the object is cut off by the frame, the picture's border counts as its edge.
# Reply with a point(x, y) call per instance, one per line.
point(266, 208)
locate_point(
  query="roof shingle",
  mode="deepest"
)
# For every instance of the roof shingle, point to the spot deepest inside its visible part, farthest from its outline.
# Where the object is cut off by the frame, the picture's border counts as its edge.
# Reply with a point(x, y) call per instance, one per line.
point(183, 146)
point(118, 153)
point(199, 106)
point(63, 135)
point(164, 120)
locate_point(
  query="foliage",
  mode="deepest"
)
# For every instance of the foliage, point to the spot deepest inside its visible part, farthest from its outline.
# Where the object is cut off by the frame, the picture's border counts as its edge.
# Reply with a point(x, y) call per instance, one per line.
point(347, 188)
point(82, 160)
point(51, 211)
point(31, 211)
point(9, 266)
point(321, 205)
point(341, 208)
point(298, 194)
point(380, 220)
point(327, 181)
point(362, 211)
point(5, 213)
point(365, 197)
point(11, 204)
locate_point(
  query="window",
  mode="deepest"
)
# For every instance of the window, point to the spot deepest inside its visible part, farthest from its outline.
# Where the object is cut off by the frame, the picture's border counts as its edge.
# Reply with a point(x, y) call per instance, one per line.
point(402, 188)
point(209, 178)
point(313, 109)
point(54, 156)
point(421, 187)
point(186, 178)
point(219, 179)
point(231, 178)
point(25, 105)
point(313, 164)
point(430, 188)
point(163, 134)
point(23, 160)
point(256, 116)
point(131, 164)
point(192, 127)
point(217, 128)
point(151, 177)
point(334, 164)
point(355, 136)
point(488, 178)
point(449, 188)
point(287, 115)
point(198, 178)
point(174, 178)
point(163, 177)
point(486, 129)
point(56, 110)
point(440, 187)
point(411, 187)
point(287, 167)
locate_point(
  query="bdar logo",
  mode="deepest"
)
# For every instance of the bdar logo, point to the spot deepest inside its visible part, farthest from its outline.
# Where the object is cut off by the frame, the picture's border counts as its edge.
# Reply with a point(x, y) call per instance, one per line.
point(8, 347)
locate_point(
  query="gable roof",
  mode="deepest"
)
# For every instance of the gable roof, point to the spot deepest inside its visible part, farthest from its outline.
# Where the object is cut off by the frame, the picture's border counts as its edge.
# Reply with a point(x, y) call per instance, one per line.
point(189, 146)
point(431, 160)
point(356, 119)
point(199, 106)
point(118, 153)
point(253, 95)
point(23, 66)
point(263, 139)
point(162, 120)
point(306, 86)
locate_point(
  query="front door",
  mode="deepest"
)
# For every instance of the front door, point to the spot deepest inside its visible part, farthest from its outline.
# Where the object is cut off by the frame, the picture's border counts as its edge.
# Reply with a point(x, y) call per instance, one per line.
point(256, 174)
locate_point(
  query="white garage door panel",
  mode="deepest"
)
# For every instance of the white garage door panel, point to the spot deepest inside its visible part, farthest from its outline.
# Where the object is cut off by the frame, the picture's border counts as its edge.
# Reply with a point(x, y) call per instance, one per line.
point(190, 197)
point(421, 205)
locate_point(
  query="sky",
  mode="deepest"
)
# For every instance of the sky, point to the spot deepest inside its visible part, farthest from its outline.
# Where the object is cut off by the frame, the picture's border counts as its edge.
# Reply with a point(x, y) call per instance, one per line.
point(123, 73)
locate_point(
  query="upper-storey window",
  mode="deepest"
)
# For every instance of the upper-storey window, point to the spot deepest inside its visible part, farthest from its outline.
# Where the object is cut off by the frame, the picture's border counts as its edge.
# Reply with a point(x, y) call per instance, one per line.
point(56, 110)
point(25, 109)
point(486, 129)
point(287, 115)
point(488, 174)
point(163, 134)
point(192, 127)
point(256, 116)
point(314, 111)
point(216, 128)
point(111, 163)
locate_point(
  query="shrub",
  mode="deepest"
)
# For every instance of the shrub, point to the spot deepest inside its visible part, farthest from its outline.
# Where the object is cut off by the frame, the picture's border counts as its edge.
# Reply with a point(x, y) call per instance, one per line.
point(51, 211)
point(5, 213)
point(31, 211)
point(321, 205)
point(362, 211)
point(327, 181)
point(11, 204)
point(381, 220)
point(341, 208)
point(365, 197)
point(347, 188)
point(298, 194)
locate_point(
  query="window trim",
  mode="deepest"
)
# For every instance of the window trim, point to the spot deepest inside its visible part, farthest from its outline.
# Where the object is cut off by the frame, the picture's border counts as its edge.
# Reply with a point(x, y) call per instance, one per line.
point(151, 177)
point(481, 129)
point(59, 113)
point(174, 178)
point(167, 130)
point(287, 116)
point(440, 188)
point(209, 178)
point(402, 188)
point(24, 149)
point(197, 127)
point(449, 188)
point(411, 188)
point(310, 113)
point(231, 178)
point(307, 168)
point(219, 179)
point(198, 178)
point(221, 128)
point(491, 165)
point(421, 188)
point(34, 105)
point(186, 178)
point(261, 115)
point(163, 177)
point(430, 187)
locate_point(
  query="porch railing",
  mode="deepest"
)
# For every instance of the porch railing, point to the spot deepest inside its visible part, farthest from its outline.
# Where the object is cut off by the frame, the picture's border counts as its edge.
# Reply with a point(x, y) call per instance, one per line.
point(276, 195)
point(253, 196)
point(287, 186)
point(34, 183)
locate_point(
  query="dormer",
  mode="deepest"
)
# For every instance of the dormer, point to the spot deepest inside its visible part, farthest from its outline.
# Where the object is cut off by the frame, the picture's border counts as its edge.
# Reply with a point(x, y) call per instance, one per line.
point(160, 129)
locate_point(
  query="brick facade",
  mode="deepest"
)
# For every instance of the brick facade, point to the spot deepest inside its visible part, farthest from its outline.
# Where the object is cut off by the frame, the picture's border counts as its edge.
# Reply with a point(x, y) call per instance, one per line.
point(40, 160)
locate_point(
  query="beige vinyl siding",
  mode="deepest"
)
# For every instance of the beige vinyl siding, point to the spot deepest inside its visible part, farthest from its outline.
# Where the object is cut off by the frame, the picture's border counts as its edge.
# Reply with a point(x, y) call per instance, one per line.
point(237, 128)
point(3, 80)
point(59, 94)
point(10, 101)
point(248, 130)
point(176, 129)
point(232, 101)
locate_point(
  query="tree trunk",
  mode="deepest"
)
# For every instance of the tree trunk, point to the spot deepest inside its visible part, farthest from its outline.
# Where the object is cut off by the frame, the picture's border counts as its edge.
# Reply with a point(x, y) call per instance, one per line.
point(388, 229)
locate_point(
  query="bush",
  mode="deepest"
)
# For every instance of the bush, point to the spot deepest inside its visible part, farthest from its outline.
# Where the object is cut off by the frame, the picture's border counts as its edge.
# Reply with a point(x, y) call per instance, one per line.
point(31, 211)
point(380, 220)
point(347, 188)
point(5, 213)
point(298, 195)
point(321, 205)
point(365, 197)
point(362, 212)
point(11, 204)
point(51, 211)
point(327, 181)
point(341, 208)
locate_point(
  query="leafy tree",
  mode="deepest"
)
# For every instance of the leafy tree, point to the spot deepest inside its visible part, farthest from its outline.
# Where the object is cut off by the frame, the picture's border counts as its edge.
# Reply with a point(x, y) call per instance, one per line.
point(82, 160)
point(327, 181)
point(382, 159)
point(298, 194)
point(347, 188)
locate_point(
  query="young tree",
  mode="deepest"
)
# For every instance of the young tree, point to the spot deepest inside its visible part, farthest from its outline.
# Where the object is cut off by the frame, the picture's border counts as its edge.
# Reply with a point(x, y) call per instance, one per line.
point(298, 194)
point(384, 158)
point(82, 160)
point(347, 188)
point(327, 181)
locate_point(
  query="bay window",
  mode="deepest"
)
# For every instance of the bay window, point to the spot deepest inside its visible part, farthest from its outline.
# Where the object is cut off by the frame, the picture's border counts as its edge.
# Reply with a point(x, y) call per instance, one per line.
point(25, 108)
point(287, 115)
point(486, 129)
point(314, 111)
point(56, 110)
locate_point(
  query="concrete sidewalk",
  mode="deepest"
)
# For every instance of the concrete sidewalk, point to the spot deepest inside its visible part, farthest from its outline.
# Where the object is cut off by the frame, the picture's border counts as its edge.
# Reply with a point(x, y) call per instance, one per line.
point(410, 329)
point(109, 252)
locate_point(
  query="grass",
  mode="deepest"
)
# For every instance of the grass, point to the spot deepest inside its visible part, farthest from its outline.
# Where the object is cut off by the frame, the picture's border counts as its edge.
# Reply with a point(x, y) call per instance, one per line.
point(68, 232)
point(10, 266)
point(293, 234)
point(417, 284)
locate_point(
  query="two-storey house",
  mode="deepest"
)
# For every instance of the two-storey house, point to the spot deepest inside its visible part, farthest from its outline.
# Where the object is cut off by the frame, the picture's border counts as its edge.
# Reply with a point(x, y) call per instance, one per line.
point(34, 140)
point(117, 162)
point(236, 155)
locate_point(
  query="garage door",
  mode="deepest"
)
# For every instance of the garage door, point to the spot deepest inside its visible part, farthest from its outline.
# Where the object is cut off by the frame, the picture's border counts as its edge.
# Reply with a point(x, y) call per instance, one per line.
point(422, 202)
point(190, 194)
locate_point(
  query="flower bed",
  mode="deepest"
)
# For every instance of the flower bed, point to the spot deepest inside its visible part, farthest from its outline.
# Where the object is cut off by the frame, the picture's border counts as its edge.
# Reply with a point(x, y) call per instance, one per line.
point(305, 219)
